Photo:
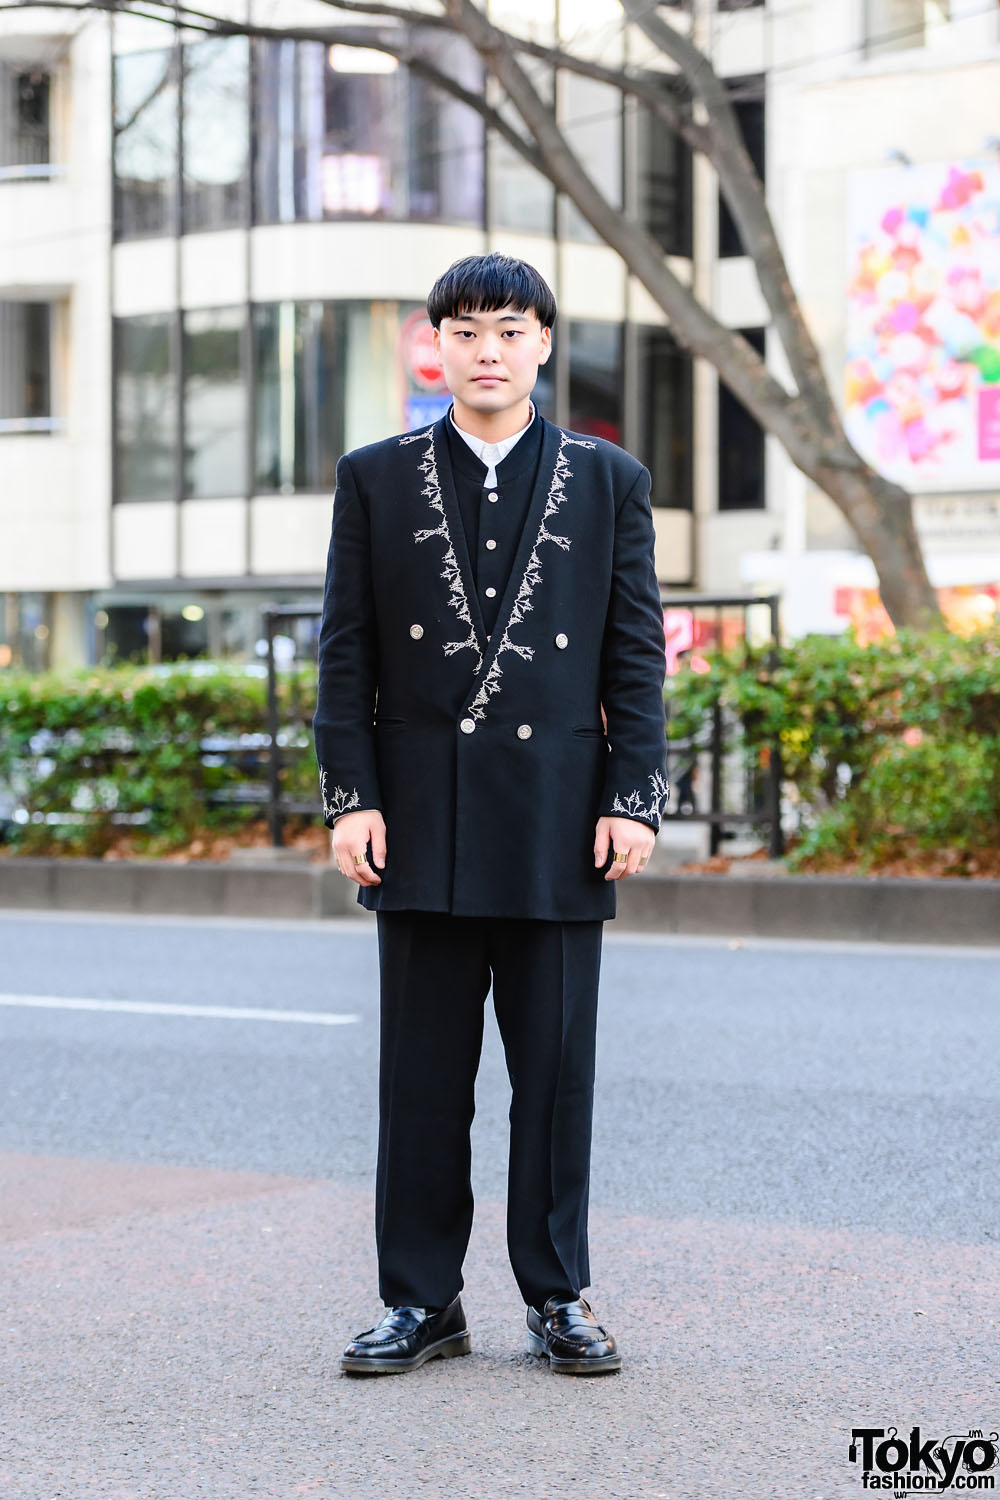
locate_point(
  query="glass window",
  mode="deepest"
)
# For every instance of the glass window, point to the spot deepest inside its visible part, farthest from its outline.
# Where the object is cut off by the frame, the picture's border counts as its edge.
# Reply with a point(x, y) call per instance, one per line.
point(24, 116)
point(896, 25)
point(520, 196)
point(25, 367)
point(26, 631)
point(299, 406)
point(216, 133)
point(145, 408)
point(364, 93)
point(544, 394)
point(748, 104)
point(443, 139)
point(666, 426)
point(665, 176)
point(145, 143)
point(346, 132)
point(595, 379)
point(215, 403)
point(382, 391)
point(288, 131)
point(331, 376)
point(741, 446)
point(592, 121)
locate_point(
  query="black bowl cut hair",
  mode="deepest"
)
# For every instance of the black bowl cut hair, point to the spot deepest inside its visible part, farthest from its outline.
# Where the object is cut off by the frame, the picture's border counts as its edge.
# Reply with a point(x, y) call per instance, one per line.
point(484, 283)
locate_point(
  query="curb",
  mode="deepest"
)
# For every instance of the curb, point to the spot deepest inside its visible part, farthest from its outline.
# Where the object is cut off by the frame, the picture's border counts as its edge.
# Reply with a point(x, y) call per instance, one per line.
point(849, 908)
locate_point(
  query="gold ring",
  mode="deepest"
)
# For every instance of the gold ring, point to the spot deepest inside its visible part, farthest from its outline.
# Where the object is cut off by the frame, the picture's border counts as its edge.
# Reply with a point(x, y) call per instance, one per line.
point(620, 859)
point(359, 859)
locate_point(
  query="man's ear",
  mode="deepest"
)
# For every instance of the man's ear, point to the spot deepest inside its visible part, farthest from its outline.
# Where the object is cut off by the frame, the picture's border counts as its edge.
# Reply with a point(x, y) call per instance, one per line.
point(546, 349)
point(437, 342)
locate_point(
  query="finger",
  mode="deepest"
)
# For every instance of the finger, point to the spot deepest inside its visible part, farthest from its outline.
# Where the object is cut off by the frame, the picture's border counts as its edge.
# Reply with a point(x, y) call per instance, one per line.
point(600, 849)
point(618, 866)
point(363, 872)
point(634, 856)
point(348, 870)
point(378, 849)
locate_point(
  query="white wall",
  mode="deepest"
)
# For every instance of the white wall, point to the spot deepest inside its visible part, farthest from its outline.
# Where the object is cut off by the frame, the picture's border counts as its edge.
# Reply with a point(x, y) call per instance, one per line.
point(55, 497)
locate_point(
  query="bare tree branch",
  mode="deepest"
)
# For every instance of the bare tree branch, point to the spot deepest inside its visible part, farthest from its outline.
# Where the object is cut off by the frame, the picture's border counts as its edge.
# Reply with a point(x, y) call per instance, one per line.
point(743, 192)
point(695, 104)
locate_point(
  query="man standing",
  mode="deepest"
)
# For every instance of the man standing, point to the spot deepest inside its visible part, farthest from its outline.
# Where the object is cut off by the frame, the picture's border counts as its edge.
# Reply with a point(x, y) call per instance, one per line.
point(490, 737)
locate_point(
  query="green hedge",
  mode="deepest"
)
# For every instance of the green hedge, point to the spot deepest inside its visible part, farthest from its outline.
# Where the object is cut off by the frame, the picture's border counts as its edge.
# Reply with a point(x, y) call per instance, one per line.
point(77, 748)
point(886, 748)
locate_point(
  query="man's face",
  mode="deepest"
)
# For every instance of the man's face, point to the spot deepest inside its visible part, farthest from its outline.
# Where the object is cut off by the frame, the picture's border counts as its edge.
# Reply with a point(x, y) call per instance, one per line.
point(491, 359)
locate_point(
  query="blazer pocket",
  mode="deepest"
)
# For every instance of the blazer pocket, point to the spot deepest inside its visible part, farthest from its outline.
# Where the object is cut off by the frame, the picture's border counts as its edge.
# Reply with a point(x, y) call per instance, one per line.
point(384, 723)
point(587, 733)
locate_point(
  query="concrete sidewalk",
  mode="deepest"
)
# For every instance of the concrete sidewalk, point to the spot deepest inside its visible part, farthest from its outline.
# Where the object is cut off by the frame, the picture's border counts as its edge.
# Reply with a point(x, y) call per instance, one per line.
point(860, 909)
point(173, 1333)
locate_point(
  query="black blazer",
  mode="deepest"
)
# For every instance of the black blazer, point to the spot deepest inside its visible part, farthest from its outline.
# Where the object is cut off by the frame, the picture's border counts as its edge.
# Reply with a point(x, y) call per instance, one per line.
point(487, 755)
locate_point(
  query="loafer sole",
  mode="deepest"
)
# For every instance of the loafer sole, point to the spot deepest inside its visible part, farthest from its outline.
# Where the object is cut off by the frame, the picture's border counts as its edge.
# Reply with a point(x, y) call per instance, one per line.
point(599, 1365)
point(375, 1364)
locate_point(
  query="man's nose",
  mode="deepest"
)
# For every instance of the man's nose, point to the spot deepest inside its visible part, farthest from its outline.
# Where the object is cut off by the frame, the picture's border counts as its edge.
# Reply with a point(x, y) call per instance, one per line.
point(489, 350)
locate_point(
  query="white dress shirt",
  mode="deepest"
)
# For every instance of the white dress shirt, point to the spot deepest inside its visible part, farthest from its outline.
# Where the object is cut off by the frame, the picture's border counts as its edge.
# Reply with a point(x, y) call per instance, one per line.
point(492, 453)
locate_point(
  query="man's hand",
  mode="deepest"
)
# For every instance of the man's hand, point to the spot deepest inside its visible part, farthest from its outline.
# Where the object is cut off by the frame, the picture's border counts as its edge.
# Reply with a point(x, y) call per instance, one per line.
point(624, 836)
point(350, 836)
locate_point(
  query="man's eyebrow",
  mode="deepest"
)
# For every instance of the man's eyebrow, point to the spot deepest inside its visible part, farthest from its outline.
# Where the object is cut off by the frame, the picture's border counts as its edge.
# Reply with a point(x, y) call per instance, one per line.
point(514, 317)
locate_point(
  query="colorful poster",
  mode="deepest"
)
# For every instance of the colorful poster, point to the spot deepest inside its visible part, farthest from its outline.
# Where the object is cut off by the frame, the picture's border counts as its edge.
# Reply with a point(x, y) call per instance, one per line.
point(922, 395)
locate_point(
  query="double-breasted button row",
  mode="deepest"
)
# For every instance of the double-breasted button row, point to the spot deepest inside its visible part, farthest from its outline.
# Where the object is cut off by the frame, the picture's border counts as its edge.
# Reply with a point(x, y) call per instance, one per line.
point(562, 641)
point(524, 731)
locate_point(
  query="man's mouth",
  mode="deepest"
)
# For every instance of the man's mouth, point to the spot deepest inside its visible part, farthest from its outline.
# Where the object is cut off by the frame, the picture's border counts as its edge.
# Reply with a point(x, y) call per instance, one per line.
point(483, 379)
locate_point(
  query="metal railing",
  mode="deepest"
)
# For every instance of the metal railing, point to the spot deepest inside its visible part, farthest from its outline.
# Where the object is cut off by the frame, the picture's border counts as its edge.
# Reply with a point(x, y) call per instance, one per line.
point(738, 796)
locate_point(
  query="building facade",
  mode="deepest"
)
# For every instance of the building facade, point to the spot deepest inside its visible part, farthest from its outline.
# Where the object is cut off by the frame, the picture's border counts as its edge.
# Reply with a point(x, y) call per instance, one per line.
point(214, 256)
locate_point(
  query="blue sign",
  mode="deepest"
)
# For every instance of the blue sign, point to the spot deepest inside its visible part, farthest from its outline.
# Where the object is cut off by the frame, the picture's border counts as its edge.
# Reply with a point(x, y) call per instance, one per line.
point(421, 411)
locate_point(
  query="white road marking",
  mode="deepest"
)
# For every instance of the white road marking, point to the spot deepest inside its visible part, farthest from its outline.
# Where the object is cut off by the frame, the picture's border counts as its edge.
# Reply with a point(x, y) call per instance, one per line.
point(153, 1008)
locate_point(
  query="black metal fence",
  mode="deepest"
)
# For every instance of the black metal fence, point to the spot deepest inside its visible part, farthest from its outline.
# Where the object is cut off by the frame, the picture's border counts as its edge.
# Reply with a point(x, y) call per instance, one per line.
point(712, 779)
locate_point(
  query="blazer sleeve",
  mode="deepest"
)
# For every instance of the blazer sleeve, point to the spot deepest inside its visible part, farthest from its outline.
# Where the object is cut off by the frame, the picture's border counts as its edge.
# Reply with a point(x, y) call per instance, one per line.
point(633, 668)
point(348, 661)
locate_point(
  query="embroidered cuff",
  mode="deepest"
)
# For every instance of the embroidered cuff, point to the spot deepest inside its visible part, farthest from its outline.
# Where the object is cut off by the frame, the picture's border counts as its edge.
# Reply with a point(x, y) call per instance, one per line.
point(645, 807)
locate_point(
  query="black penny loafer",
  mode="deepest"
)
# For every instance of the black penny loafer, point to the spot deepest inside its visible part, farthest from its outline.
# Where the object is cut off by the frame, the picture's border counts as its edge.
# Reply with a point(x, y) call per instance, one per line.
point(571, 1336)
point(407, 1337)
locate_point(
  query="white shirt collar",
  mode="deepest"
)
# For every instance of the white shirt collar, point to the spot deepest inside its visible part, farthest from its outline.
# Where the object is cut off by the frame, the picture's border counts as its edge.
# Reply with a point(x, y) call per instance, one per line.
point(491, 453)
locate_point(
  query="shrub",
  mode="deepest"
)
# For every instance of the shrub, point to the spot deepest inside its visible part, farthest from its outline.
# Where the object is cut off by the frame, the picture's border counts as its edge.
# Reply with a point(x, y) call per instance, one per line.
point(85, 753)
point(884, 747)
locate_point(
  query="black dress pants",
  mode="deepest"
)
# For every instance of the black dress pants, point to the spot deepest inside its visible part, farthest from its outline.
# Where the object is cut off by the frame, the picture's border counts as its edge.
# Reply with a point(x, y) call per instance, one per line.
point(435, 974)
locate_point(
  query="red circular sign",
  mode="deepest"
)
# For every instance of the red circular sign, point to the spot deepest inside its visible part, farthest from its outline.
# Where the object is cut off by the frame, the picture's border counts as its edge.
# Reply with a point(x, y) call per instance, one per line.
point(423, 364)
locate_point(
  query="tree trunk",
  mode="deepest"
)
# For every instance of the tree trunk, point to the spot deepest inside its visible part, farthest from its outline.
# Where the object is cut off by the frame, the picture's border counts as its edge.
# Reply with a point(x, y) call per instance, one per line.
point(881, 514)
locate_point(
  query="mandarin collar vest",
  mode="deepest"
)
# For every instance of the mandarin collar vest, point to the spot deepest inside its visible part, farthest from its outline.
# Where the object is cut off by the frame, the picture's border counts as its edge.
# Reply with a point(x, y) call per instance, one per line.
point(521, 459)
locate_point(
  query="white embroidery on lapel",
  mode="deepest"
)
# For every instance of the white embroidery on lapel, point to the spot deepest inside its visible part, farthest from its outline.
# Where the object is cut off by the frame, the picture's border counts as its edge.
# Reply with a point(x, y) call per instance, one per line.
point(633, 806)
point(561, 473)
point(339, 801)
point(451, 572)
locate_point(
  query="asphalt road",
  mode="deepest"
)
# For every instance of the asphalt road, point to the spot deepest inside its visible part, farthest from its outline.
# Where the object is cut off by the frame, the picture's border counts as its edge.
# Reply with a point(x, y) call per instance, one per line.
point(794, 1230)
